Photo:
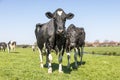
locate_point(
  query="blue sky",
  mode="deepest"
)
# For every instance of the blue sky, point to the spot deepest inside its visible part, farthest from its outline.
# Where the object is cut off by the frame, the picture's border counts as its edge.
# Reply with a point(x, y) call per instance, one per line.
point(100, 18)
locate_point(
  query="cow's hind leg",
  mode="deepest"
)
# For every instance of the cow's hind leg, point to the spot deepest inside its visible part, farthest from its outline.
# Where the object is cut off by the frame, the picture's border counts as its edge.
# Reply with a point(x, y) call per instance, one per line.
point(46, 54)
point(46, 64)
point(8, 47)
point(81, 55)
point(75, 57)
point(41, 57)
point(68, 57)
point(14, 49)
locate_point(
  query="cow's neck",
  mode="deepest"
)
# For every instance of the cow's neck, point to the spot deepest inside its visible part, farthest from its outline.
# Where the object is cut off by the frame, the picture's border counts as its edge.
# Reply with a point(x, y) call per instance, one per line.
point(51, 23)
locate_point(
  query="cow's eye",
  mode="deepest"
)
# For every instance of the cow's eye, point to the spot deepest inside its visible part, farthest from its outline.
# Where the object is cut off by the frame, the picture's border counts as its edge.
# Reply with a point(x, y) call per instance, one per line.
point(64, 19)
point(80, 33)
point(54, 18)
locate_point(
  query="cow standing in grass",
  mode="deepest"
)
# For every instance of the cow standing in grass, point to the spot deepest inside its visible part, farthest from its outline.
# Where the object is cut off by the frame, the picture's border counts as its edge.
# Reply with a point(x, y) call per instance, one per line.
point(75, 40)
point(52, 34)
point(3, 46)
point(11, 46)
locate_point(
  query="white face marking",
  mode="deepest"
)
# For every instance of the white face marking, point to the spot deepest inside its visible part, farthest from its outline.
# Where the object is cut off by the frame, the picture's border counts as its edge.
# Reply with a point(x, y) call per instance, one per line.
point(59, 13)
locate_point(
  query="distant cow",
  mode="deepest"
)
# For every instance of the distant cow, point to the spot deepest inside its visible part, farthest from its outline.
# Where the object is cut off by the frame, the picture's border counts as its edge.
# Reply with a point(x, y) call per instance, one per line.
point(3, 46)
point(11, 46)
point(33, 48)
point(75, 40)
point(51, 34)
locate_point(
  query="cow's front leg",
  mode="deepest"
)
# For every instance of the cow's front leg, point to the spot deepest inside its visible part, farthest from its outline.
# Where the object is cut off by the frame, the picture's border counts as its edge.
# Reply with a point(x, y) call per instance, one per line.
point(49, 60)
point(81, 55)
point(50, 63)
point(60, 62)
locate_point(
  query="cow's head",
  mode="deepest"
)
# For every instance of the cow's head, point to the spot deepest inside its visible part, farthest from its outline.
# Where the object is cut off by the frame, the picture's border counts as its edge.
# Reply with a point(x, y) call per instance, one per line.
point(72, 35)
point(59, 17)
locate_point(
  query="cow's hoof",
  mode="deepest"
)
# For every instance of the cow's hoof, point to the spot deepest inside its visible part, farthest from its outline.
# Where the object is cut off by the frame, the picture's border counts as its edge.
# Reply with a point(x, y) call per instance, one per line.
point(75, 67)
point(80, 62)
point(46, 65)
point(60, 71)
point(50, 70)
point(68, 66)
point(41, 65)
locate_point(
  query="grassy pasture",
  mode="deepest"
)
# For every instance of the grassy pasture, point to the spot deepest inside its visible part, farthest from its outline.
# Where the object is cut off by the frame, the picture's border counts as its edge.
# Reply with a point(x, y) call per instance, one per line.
point(24, 65)
point(103, 50)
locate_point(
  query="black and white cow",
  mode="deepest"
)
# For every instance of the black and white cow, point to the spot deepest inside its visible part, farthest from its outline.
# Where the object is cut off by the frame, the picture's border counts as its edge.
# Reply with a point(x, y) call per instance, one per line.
point(51, 34)
point(75, 40)
point(3, 46)
point(11, 46)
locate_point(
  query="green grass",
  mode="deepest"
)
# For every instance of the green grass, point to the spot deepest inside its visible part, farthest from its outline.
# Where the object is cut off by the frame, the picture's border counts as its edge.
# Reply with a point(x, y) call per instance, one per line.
point(103, 50)
point(24, 65)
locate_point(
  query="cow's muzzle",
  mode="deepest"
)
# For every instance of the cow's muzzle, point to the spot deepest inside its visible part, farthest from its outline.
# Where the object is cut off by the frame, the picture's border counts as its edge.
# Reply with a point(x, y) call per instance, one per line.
point(60, 31)
point(72, 44)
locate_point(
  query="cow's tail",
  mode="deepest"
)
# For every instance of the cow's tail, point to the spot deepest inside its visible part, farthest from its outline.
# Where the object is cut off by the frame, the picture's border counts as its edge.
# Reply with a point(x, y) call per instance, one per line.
point(38, 27)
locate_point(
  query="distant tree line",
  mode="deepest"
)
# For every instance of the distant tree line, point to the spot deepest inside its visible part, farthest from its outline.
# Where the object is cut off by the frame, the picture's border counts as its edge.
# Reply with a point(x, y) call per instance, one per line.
point(105, 43)
point(24, 46)
point(96, 43)
point(27, 45)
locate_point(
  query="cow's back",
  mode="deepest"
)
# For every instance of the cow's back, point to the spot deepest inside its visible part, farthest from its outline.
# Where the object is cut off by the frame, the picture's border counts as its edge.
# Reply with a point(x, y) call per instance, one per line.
point(45, 32)
point(81, 35)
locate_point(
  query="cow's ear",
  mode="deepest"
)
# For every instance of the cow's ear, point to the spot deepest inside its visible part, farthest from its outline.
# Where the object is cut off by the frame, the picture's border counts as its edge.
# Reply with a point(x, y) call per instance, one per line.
point(69, 16)
point(49, 15)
